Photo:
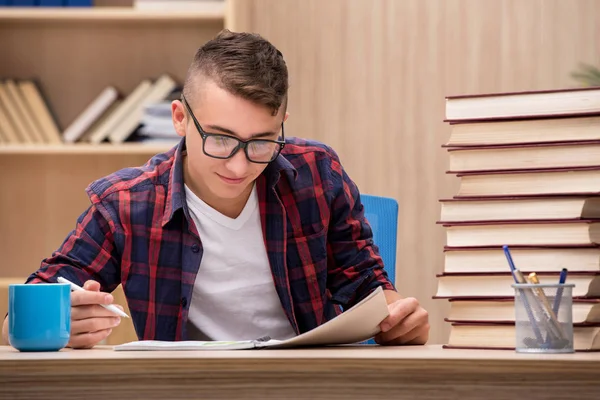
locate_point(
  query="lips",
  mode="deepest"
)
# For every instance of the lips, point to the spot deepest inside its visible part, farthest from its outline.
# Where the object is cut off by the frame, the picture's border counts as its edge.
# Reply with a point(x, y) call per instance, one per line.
point(231, 181)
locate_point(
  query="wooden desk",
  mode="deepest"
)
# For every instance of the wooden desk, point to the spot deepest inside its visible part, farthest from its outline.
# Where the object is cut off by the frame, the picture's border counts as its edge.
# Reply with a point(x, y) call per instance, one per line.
point(366, 372)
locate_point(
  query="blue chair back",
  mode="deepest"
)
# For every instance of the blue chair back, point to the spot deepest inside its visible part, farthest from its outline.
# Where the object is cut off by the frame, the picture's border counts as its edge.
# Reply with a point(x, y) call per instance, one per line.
point(382, 214)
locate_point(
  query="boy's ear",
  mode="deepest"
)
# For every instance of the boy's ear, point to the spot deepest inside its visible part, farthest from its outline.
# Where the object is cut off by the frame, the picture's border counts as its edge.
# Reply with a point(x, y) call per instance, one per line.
point(179, 117)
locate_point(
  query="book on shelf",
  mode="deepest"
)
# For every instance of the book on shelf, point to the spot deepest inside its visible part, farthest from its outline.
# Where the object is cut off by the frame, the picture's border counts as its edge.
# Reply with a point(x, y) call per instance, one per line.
point(529, 258)
point(85, 137)
point(157, 121)
point(472, 285)
point(109, 124)
point(156, 125)
point(21, 3)
point(50, 3)
point(524, 104)
point(158, 91)
point(519, 208)
point(90, 114)
point(41, 111)
point(125, 119)
point(23, 112)
point(215, 7)
point(78, 3)
point(522, 233)
point(9, 131)
point(583, 181)
point(523, 157)
point(25, 116)
point(503, 336)
point(489, 310)
point(529, 131)
point(47, 3)
point(13, 115)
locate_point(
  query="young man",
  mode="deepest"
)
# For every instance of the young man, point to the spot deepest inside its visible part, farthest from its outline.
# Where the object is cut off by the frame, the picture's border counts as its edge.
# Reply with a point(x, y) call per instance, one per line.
point(235, 233)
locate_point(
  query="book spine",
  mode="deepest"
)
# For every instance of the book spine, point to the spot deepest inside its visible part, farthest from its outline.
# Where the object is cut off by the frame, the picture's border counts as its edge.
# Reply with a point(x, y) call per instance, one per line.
point(21, 3)
point(50, 3)
point(79, 3)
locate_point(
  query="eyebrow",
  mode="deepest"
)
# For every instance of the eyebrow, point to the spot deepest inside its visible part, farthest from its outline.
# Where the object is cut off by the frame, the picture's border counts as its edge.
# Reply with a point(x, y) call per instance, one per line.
point(232, 133)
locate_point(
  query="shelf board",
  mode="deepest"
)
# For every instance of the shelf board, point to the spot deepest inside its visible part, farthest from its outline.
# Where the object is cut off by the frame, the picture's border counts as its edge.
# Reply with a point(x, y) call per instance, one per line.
point(50, 14)
point(84, 149)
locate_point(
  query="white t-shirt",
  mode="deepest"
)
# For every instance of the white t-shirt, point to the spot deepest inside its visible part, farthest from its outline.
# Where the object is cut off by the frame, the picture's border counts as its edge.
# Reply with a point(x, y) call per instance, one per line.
point(234, 295)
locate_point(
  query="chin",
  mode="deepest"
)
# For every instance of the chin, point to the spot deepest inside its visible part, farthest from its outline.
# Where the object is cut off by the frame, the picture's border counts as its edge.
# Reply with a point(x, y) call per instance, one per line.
point(226, 191)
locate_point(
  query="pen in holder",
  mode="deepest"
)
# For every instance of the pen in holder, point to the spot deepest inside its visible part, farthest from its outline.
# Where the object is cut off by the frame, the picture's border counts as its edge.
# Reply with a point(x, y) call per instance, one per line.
point(538, 327)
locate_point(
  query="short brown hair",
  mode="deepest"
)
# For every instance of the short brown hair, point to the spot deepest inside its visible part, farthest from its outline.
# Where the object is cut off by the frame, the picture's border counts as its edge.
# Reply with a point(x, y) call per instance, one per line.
point(244, 64)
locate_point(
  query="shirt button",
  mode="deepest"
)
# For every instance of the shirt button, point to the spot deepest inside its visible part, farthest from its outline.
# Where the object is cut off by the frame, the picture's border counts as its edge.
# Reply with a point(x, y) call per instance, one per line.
point(183, 302)
point(195, 248)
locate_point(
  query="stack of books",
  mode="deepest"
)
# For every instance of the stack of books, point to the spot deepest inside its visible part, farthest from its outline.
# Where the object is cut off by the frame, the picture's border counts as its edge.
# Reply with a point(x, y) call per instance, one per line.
point(529, 170)
point(157, 124)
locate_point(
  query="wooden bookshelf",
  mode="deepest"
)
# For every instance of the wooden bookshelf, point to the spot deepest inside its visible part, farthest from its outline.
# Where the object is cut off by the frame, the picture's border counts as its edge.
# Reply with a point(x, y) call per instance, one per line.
point(73, 54)
point(26, 14)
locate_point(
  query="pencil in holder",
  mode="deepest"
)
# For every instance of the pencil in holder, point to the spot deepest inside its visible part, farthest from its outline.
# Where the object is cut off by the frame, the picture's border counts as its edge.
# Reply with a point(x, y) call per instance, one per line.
point(543, 318)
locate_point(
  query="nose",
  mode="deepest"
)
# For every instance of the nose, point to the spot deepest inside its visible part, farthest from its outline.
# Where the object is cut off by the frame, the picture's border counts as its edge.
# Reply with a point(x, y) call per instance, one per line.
point(238, 164)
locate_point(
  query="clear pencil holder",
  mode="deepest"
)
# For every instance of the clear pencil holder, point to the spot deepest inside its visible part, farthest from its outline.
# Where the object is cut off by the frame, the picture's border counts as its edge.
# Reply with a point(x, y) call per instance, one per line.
point(543, 318)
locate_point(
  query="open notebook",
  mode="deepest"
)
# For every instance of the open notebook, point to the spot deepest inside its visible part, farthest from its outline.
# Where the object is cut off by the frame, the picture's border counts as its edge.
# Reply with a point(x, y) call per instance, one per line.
point(357, 324)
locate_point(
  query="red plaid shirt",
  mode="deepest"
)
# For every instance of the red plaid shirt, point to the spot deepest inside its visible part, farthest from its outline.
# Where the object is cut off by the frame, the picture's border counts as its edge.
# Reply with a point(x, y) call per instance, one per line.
point(138, 232)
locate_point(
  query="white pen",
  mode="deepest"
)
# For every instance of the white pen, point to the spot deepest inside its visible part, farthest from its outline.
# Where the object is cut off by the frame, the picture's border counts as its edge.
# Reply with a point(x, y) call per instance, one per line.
point(110, 307)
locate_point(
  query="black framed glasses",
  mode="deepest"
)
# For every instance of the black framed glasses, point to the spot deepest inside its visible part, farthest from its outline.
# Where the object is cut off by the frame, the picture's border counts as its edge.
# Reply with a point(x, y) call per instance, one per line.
point(215, 145)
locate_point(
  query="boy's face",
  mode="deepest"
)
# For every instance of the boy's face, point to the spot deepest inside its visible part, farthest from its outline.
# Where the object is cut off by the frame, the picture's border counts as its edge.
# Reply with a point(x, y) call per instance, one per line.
point(220, 112)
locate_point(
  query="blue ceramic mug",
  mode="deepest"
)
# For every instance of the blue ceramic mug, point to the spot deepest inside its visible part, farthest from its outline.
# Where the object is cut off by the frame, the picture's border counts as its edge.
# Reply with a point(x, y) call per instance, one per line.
point(39, 316)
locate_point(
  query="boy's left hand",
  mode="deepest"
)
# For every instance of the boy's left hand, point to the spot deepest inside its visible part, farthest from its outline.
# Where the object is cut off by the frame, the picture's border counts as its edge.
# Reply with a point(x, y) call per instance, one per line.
point(408, 322)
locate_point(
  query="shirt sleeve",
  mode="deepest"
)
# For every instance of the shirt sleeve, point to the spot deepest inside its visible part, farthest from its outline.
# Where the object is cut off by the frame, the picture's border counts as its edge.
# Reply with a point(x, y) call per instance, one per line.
point(87, 253)
point(355, 267)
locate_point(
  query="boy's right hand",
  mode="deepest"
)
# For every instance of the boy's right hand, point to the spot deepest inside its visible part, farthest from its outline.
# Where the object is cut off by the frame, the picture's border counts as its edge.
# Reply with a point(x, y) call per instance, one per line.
point(91, 323)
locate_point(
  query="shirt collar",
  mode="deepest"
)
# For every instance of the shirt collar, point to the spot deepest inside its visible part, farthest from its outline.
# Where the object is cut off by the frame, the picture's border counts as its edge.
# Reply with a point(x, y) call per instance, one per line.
point(176, 190)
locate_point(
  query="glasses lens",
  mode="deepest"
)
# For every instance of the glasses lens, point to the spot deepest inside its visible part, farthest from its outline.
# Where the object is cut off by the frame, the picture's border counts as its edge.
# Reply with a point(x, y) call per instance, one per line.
point(262, 150)
point(219, 146)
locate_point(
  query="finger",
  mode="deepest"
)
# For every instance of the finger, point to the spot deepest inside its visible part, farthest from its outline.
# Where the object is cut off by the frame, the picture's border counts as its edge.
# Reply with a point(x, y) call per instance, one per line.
point(94, 324)
point(419, 335)
point(92, 285)
point(416, 319)
point(399, 310)
point(88, 340)
point(85, 297)
point(89, 311)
